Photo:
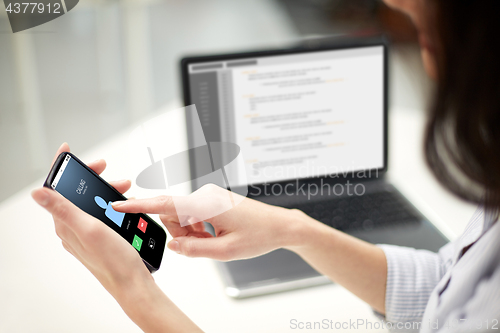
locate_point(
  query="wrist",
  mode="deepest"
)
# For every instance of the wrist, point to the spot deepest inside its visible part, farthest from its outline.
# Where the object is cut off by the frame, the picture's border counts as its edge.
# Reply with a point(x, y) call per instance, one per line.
point(306, 233)
point(300, 229)
point(150, 309)
point(137, 291)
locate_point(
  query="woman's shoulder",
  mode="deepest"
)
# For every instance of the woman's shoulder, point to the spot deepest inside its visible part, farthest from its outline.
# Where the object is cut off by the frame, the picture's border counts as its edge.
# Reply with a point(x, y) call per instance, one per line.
point(484, 306)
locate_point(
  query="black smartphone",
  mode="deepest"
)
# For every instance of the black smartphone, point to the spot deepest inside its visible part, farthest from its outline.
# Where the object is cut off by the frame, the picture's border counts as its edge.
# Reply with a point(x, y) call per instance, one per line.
point(87, 190)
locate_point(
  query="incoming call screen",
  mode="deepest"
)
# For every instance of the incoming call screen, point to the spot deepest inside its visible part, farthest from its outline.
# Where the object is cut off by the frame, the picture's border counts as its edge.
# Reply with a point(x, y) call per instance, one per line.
point(93, 196)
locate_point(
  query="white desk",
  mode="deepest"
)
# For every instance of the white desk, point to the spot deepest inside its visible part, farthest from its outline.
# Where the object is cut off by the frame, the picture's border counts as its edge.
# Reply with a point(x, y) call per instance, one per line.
point(44, 289)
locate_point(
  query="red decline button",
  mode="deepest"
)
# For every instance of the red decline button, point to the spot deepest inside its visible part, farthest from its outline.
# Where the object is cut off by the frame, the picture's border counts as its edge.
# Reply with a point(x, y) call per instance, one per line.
point(142, 225)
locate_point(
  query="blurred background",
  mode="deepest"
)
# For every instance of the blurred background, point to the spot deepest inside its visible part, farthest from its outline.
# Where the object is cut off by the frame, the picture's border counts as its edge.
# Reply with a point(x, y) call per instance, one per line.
point(106, 64)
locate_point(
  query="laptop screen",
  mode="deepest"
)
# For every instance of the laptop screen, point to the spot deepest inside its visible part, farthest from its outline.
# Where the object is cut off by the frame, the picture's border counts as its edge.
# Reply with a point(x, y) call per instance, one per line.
point(295, 115)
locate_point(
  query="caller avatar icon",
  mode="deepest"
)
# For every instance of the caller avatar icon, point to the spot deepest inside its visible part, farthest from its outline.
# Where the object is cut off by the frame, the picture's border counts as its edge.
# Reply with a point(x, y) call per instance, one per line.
point(111, 214)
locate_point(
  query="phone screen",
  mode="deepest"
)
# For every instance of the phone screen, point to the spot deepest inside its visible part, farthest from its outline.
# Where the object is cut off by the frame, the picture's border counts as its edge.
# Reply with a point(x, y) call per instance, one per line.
point(94, 196)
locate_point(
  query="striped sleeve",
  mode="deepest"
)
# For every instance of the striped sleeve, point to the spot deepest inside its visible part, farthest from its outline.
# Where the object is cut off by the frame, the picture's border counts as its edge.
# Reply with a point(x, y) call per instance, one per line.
point(411, 276)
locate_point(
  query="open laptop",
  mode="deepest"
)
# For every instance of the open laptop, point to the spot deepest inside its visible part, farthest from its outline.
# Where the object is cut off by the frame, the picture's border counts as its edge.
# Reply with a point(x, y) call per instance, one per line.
point(312, 123)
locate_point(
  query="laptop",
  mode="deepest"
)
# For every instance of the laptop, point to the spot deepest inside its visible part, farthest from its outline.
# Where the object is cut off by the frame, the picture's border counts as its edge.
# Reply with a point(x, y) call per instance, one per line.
point(312, 124)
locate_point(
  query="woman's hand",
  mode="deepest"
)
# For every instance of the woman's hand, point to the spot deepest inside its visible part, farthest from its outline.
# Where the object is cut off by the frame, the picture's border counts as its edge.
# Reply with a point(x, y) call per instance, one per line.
point(115, 263)
point(252, 228)
point(247, 230)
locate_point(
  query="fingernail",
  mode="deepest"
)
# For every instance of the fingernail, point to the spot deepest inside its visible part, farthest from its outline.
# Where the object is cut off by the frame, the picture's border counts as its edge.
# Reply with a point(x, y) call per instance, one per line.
point(118, 203)
point(41, 197)
point(174, 246)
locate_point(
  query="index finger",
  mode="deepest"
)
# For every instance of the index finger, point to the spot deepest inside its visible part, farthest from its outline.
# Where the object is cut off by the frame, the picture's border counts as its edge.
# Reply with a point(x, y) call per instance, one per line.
point(62, 149)
point(162, 204)
point(194, 208)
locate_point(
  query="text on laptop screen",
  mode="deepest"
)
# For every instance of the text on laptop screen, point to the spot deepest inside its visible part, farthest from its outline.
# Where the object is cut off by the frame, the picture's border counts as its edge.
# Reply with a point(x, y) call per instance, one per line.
point(295, 116)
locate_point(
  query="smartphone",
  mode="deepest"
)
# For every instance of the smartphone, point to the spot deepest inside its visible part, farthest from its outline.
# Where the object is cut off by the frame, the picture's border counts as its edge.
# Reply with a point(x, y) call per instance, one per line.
point(87, 190)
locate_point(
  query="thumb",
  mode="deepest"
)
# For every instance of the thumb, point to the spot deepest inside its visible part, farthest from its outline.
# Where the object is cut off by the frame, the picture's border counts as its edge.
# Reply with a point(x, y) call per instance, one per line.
point(213, 247)
point(60, 207)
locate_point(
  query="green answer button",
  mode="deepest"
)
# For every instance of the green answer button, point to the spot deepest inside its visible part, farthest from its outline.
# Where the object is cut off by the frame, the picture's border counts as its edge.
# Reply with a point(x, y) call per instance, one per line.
point(137, 242)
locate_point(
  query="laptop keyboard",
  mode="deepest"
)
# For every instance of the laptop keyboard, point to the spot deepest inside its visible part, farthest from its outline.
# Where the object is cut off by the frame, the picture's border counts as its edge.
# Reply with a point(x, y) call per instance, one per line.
point(363, 213)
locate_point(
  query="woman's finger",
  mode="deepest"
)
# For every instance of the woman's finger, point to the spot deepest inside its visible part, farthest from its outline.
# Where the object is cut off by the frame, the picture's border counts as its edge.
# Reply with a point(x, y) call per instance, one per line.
point(197, 208)
point(61, 209)
point(173, 226)
point(175, 229)
point(62, 149)
point(199, 227)
point(121, 186)
point(97, 166)
point(159, 205)
point(209, 247)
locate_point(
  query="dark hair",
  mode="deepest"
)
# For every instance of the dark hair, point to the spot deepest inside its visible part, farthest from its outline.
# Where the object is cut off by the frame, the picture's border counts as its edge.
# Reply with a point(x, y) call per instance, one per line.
point(462, 139)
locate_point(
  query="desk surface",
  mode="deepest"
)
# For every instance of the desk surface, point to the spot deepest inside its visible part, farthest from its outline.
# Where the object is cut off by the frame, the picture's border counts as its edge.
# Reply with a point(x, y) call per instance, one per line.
point(44, 289)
